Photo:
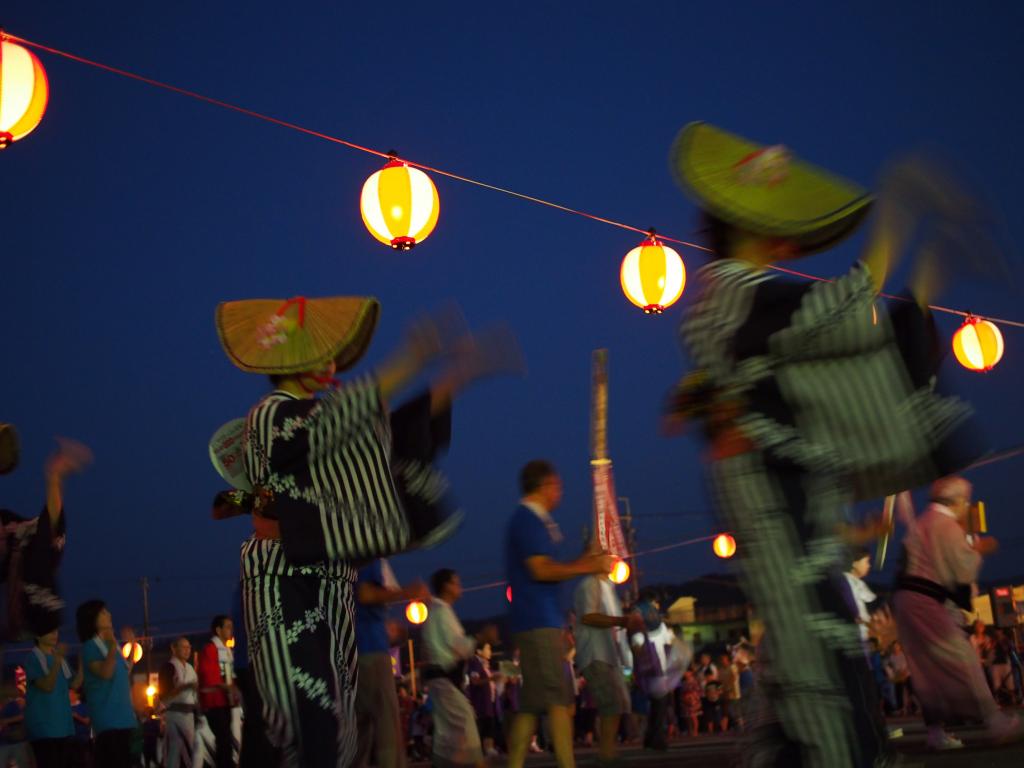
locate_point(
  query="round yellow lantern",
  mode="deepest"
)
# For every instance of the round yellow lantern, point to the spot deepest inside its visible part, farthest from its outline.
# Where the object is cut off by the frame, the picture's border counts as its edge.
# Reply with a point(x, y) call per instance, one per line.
point(416, 612)
point(132, 652)
point(978, 344)
point(620, 572)
point(652, 276)
point(399, 205)
point(24, 92)
point(724, 546)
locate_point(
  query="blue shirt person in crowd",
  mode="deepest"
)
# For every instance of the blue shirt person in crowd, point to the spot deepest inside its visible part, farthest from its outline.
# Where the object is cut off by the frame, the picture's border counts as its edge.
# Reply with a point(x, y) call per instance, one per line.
point(107, 688)
point(534, 575)
point(48, 721)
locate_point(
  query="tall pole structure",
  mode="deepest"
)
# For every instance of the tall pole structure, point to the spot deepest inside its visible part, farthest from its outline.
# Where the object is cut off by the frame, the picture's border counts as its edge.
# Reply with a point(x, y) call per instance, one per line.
point(607, 527)
point(630, 533)
point(145, 627)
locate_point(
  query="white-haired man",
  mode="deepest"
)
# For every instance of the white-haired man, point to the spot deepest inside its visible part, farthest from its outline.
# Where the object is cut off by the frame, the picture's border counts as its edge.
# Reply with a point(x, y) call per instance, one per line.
point(942, 563)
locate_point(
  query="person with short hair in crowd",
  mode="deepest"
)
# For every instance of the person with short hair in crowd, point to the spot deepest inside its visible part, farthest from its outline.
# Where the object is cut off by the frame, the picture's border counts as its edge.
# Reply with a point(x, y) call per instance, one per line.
point(179, 687)
point(447, 648)
point(481, 694)
point(534, 574)
point(48, 722)
point(693, 702)
point(941, 564)
point(107, 687)
point(602, 654)
point(378, 720)
point(217, 692)
point(659, 659)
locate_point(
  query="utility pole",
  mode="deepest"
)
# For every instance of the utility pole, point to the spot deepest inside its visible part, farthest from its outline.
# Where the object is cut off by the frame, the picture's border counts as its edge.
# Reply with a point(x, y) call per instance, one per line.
point(630, 534)
point(148, 644)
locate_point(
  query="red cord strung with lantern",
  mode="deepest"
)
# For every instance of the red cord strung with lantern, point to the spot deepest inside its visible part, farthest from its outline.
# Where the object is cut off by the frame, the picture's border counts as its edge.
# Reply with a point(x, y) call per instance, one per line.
point(24, 92)
point(978, 344)
point(399, 205)
point(652, 276)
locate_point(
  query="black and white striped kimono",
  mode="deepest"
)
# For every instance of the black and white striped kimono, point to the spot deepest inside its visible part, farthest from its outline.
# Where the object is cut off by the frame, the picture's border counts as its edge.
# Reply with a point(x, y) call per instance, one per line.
point(340, 494)
point(835, 396)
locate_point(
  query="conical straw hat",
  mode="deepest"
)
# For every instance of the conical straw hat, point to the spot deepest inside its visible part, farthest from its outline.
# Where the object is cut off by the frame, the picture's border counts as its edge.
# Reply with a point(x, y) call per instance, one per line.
point(765, 189)
point(282, 336)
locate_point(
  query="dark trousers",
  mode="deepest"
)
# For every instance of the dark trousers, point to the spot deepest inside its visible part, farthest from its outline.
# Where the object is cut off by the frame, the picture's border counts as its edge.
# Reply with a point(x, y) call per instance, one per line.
point(256, 751)
point(52, 753)
point(219, 719)
point(114, 748)
point(657, 724)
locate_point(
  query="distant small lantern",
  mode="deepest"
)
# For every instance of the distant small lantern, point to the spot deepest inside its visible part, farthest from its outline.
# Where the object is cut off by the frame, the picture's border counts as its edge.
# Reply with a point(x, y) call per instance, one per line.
point(620, 572)
point(132, 652)
point(24, 92)
point(400, 205)
point(652, 276)
point(416, 612)
point(508, 593)
point(978, 344)
point(724, 546)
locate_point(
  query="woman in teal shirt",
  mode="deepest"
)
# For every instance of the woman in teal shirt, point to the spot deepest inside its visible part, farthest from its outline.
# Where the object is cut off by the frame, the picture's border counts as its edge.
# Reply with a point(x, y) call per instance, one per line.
point(48, 720)
point(107, 688)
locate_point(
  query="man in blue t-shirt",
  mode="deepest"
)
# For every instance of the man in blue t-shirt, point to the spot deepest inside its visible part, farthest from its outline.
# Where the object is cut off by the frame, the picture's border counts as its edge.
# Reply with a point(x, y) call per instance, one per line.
point(377, 713)
point(536, 621)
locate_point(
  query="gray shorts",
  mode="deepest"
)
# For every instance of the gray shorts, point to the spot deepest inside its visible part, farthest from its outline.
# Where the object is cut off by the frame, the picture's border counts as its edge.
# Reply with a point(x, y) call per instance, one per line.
point(547, 676)
point(607, 686)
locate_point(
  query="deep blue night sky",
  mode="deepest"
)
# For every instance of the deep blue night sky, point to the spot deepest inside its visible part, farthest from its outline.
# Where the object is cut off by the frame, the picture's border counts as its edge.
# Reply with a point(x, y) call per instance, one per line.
point(130, 212)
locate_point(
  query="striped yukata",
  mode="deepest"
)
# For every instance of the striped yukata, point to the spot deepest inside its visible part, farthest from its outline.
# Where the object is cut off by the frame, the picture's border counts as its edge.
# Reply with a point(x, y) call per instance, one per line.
point(326, 466)
point(833, 399)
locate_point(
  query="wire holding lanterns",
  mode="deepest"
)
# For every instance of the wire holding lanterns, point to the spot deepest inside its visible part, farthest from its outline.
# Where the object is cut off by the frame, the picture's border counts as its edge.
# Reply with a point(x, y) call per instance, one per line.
point(652, 275)
point(385, 235)
point(24, 92)
point(399, 204)
point(978, 344)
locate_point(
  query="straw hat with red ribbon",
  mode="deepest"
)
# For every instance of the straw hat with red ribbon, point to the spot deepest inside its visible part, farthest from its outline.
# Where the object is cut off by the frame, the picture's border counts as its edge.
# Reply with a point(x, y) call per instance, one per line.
point(283, 336)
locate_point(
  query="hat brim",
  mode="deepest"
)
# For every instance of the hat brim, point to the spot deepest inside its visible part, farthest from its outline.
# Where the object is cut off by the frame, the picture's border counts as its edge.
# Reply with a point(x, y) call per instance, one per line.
point(338, 328)
point(808, 205)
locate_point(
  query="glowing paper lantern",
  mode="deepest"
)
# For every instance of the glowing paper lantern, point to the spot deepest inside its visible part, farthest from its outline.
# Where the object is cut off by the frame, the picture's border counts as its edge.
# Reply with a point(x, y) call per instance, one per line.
point(132, 652)
point(652, 276)
point(508, 593)
point(399, 205)
point(620, 572)
point(24, 92)
point(724, 545)
point(416, 612)
point(978, 344)
point(150, 694)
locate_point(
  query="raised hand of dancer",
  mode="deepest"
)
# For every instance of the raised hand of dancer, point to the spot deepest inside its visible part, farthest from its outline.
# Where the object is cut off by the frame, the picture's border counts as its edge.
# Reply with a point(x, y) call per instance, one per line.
point(985, 545)
point(71, 457)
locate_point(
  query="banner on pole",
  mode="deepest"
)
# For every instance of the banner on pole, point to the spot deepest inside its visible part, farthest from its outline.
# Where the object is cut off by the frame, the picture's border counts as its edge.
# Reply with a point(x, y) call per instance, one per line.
point(606, 512)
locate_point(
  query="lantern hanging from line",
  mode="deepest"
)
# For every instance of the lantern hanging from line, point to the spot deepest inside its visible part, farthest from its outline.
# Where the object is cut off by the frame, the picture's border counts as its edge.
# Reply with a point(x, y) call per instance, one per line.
point(416, 612)
point(724, 546)
point(620, 572)
point(652, 276)
point(132, 652)
point(24, 92)
point(508, 593)
point(399, 205)
point(978, 344)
